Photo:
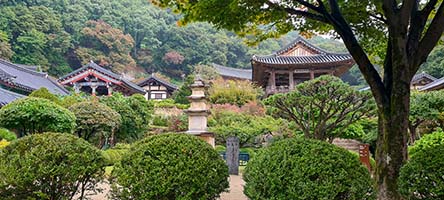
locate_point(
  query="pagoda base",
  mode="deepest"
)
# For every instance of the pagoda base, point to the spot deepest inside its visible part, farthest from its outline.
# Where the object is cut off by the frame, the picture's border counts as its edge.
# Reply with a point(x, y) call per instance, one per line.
point(206, 136)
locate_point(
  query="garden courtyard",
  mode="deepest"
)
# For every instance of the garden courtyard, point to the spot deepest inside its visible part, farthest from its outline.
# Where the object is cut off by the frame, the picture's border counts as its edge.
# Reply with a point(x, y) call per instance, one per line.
point(221, 100)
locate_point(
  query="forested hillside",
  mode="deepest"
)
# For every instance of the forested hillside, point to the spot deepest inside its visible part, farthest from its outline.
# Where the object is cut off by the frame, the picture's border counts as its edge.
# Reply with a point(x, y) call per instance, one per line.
point(121, 34)
point(126, 36)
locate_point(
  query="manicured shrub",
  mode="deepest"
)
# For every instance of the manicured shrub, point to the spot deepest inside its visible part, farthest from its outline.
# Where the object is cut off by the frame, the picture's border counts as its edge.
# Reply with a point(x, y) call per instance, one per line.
point(4, 143)
point(96, 122)
point(36, 115)
point(427, 141)
point(115, 154)
point(306, 169)
point(49, 166)
point(170, 166)
point(422, 176)
point(45, 94)
point(7, 135)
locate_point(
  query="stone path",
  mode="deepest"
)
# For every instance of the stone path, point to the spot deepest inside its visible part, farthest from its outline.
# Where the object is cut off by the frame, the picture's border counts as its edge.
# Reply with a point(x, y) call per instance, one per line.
point(236, 189)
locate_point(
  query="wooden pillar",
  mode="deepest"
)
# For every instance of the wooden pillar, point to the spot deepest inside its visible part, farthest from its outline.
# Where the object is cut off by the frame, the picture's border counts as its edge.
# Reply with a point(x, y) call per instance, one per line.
point(110, 90)
point(312, 75)
point(273, 80)
point(77, 88)
point(93, 88)
point(290, 80)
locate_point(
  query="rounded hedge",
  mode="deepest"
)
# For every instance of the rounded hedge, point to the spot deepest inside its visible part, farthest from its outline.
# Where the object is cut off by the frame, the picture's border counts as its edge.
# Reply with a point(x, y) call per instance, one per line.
point(7, 135)
point(306, 169)
point(170, 166)
point(36, 115)
point(96, 122)
point(427, 141)
point(423, 175)
point(49, 166)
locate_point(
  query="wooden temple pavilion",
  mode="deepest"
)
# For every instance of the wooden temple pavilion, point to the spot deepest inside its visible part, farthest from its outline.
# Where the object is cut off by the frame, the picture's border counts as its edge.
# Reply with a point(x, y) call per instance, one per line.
point(157, 88)
point(297, 62)
point(18, 81)
point(421, 79)
point(96, 80)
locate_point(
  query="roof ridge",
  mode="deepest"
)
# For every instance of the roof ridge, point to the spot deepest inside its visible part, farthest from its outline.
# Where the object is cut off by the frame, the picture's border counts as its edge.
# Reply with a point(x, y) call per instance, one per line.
point(300, 39)
point(22, 68)
point(11, 92)
point(231, 68)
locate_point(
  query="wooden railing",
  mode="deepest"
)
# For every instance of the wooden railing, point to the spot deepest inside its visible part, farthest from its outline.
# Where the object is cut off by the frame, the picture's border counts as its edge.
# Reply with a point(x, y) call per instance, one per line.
point(278, 89)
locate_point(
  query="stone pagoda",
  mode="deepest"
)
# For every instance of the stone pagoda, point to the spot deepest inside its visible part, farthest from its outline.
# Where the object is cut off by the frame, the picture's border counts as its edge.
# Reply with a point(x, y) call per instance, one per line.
point(198, 113)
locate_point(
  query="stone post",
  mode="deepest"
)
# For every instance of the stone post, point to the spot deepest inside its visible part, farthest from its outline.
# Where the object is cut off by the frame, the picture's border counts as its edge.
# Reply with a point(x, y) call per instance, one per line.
point(198, 113)
point(232, 155)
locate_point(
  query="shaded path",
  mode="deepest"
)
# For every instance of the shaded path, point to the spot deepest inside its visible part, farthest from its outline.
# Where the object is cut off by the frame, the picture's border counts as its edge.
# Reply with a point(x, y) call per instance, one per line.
point(236, 189)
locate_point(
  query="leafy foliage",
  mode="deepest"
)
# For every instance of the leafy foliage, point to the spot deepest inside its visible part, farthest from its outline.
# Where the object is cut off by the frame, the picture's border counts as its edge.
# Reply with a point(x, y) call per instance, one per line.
point(180, 95)
point(49, 166)
point(135, 112)
point(106, 45)
point(36, 115)
point(421, 177)
point(174, 166)
point(45, 94)
point(115, 154)
point(426, 108)
point(306, 169)
point(246, 127)
point(322, 108)
point(96, 122)
point(7, 135)
point(431, 140)
point(233, 92)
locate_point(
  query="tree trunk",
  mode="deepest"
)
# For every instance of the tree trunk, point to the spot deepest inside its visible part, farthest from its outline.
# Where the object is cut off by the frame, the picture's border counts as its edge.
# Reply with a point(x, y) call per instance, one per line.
point(391, 150)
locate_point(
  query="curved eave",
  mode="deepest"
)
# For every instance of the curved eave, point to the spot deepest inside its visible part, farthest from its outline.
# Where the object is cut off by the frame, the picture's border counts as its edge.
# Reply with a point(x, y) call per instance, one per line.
point(338, 67)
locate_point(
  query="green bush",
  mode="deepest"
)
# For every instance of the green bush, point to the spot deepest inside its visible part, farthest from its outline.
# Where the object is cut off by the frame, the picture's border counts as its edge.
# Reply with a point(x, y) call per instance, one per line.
point(170, 166)
point(36, 115)
point(48, 166)
point(115, 155)
point(96, 122)
point(306, 169)
point(7, 135)
point(45, 94)
point(422, 176)
point(160, 121)
point(429, 140)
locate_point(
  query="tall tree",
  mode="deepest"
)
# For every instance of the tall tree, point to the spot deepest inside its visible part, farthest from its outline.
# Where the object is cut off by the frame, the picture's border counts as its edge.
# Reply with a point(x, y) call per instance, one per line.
point(402, 33)
point(106, 45)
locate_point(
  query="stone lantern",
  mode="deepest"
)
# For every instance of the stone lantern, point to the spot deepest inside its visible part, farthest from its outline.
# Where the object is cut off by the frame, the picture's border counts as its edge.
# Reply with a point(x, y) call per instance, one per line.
point(198, 113)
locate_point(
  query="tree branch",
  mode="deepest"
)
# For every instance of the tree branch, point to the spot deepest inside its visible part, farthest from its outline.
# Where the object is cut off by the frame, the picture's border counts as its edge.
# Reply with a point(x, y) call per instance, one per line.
point(299, 12)
point(309, 5)
point(380, 17)
point(431, 37)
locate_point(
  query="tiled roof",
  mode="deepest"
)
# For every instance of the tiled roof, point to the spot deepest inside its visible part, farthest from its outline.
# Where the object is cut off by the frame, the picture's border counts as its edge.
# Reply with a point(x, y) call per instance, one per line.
point(435, 84)
point(422, 75)
point(157, 79)
point(106, 72)
point(312, 59)
point(233, 72)
point(27, 79)
point(319, 56)
point(7, 96)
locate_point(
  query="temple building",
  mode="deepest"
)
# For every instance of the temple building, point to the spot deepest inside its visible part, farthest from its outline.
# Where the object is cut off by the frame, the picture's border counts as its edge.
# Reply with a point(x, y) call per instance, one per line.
point(96, 80)
point(229, 73)
point(157, 88)
point(421, 79)
point(17, 81)
point(297, 62)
